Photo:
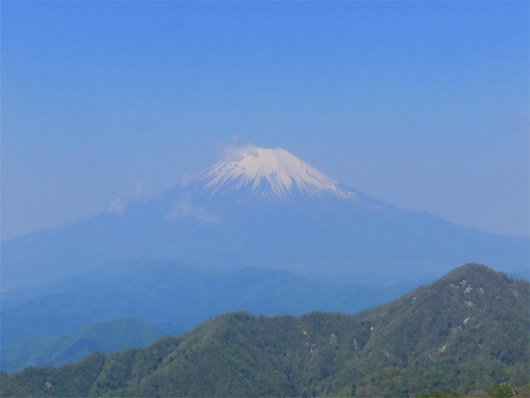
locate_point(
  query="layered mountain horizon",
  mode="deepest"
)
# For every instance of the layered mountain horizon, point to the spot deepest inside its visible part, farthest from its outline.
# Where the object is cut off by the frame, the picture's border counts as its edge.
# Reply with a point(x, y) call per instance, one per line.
point(466, 331)
point(266, 208)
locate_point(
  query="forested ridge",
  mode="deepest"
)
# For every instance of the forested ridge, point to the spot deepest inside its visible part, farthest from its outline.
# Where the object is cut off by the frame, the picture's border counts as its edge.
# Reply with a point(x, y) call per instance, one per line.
point(110, 336)
point(468, 331)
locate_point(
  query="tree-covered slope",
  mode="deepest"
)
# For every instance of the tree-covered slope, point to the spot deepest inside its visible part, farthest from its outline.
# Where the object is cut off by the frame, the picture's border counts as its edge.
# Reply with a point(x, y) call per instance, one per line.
point(143, 288)
point(106, 337)
point(467, 331)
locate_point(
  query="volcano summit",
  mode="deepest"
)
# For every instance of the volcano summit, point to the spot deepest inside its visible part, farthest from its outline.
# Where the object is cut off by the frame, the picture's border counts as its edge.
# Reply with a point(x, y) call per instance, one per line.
point(271, 172)
point(265, 208)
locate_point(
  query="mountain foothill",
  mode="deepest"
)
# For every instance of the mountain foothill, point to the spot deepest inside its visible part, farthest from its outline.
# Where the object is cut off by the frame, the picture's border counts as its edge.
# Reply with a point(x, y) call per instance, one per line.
point(263, 277)
point(466, 332)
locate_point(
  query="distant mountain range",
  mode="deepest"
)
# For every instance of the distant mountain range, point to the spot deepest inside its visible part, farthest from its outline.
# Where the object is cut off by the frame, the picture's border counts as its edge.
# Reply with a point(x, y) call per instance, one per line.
point(175, 297)
point(263, 208)
point(467, 331)
point(105, 337)
point(270, 235)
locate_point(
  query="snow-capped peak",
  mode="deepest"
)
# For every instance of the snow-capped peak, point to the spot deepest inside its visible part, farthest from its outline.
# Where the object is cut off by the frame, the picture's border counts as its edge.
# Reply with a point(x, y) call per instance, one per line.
point(270, 172)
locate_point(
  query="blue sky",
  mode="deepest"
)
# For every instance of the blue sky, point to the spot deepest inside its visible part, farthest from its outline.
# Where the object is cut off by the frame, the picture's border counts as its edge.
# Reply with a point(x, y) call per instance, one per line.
point(421, 104)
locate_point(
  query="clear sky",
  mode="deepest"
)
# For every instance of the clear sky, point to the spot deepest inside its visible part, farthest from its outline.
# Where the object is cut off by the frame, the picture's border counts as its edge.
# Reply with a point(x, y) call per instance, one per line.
point(421, 104)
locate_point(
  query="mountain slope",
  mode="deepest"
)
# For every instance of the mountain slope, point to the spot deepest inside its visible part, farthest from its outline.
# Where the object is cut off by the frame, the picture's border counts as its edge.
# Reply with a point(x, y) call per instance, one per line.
point(106, 337)
point(265, 208)
point(143, 289)
point(270, 172)
point(431, 338)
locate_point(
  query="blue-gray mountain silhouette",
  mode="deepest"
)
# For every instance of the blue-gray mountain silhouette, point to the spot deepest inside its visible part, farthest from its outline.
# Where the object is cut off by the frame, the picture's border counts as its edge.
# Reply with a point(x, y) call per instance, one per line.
point(264, 208)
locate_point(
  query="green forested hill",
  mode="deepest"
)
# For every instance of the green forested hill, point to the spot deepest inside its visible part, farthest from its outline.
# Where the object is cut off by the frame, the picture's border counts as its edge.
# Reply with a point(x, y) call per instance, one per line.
point(110, 336)
point(143, 288)
point(467, 331)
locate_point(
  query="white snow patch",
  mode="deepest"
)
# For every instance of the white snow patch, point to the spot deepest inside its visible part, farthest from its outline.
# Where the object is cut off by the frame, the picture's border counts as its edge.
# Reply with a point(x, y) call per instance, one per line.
point(273, 172)
point(116, 206)
point(184, 208)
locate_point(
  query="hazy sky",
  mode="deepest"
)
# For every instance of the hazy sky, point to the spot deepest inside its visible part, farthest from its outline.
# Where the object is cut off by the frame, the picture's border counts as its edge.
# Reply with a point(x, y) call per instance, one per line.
point(421, 104)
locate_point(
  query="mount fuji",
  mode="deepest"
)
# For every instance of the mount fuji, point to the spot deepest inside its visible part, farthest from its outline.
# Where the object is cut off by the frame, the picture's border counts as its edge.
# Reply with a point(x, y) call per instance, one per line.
point(263, 208)
point(270, 172)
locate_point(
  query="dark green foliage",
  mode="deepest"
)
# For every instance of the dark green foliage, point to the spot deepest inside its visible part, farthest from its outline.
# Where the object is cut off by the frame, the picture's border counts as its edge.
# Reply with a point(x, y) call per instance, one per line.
point(503, 390)
point(429, 340)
